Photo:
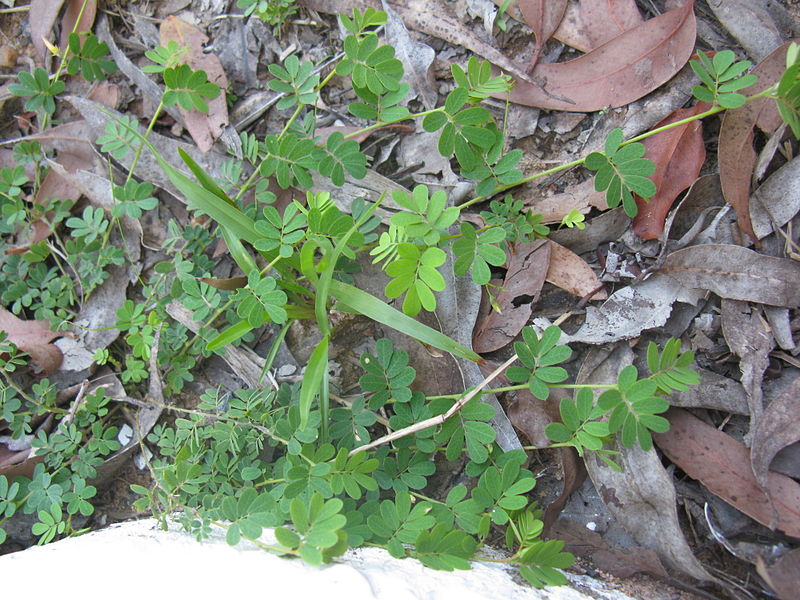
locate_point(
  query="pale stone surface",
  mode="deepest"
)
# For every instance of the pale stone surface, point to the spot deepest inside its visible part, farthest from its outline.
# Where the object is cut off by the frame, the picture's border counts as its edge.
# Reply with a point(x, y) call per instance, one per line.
point(138, 560)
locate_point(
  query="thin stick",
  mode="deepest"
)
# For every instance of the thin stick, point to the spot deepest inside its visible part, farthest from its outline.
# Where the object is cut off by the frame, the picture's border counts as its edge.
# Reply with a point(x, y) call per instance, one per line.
point(438, 419)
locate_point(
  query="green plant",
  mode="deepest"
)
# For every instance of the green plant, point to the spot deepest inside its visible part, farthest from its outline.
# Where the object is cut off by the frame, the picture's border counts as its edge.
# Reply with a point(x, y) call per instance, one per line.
point(327, 485)
point(272, 12)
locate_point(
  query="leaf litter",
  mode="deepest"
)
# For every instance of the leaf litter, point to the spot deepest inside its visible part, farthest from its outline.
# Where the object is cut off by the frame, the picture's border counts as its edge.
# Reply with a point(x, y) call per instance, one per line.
point(628, 54)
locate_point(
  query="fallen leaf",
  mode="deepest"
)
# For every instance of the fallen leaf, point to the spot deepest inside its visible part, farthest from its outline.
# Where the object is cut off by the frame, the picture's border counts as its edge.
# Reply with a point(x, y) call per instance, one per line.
point(678, 154)
point(543, 17)
point(527, 413)
point(778, 428)
point(603, 20)
point(582, 197)
point(642, 496)
point(33, 337)
point(735, 152)
point(749, 338)
point(416, 58)
point(231, 283)
point(572, 31)
point(628, 312)
point(574, 475)
point(605, 556)
point(41, 16)
point(617, 73)
point(736, 273)
point(776, 201)
point(204, 128)
point(571, 273)
point(605, 227)
point(715, 392)
point(87, 11)
point(750, 23)
point(106, 93)
point(722, 465)
point(783, 576)
point(525, 276)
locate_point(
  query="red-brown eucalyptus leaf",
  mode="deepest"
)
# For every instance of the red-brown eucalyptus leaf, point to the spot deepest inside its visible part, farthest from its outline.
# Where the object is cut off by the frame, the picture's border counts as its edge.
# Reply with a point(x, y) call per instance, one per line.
point(34, 338)
point(204, 128)
point(604, 20)
point(679, 155)
point(722, 465)
point(735, 152)
point(525, 276)
point(624, 69)
point(543, 17)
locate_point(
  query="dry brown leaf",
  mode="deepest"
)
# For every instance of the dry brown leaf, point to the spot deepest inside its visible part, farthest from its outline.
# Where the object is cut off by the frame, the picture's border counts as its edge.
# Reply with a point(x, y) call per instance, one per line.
point(722, 465)
point(736, 273)
point(543, 17)
point(642, 494)
point(416, 57)
point(776, 201)
point(603, 20)
point(574, 475)
point(41, 16)
point(431, 17)
point(524, 279)
point(70, 18)
point(618, 72)
point(750, 22)
point(231, 283)
point(679, 155)
point(582, 197)
point(33, 337)
point(571, 273)
point(735, 152)
point(749, 338)
point(204, 128)
point(783, 576)
point(778, 428)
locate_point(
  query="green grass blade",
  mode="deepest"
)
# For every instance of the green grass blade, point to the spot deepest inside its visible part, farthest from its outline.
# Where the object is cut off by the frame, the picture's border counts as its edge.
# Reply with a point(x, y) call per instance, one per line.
point(316, 369)
point(376, 309)
point(230, 335)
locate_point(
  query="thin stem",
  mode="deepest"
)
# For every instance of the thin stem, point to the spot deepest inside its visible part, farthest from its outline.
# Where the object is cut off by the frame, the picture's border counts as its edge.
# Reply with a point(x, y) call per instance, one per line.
point(150, 126)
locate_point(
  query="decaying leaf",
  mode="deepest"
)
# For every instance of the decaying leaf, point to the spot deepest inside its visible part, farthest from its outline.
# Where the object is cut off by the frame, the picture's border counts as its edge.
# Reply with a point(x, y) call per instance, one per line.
point(416, 56)
point(571, 273)
point(33, 337)
point(204, 128)
point(41, 16)
point(722, 464)
point(642, 494)
point(736, 273)
point(679, 155)
point(87, 12)
point(749, 338)
point(582, 197)
point(778, 428)
point(735, 152)
point(750, 23)
point(618, 72)
point(783, 576)
point(543, 17)
point(525, 276)
point(776, 201)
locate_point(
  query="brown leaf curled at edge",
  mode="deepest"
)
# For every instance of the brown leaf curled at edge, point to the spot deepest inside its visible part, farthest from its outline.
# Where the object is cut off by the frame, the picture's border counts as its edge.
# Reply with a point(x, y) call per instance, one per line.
point(525, 276)
point(543, 17)
point(722, 464)
point(679, 155)
point(737, 273)
point(204, 128)
point(34, 338)
point(778, 428)
point(617, 73)
point(735, 152)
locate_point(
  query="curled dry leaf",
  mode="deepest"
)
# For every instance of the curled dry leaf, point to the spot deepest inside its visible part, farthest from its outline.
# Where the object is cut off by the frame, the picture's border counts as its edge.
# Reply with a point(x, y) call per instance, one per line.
point(604, 20)
point(722, 465)
point(776, 201)
point(525, 276)
point(33, 337)
point(571, 273)
point(778, 428)
point(736, 273)
point(543, 17)
point(618, 72)
point(642, 494)
point(204, 128)
point(748, 336)
point(679, 155)
point(735, 152)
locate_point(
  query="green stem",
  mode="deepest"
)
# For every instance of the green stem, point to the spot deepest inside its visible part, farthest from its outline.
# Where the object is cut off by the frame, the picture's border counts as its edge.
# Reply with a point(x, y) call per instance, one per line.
point(142, 142)
point(380, 124)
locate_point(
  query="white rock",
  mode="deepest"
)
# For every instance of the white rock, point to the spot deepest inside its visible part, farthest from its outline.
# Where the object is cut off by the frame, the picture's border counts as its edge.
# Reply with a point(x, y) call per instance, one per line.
point(139, 560)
